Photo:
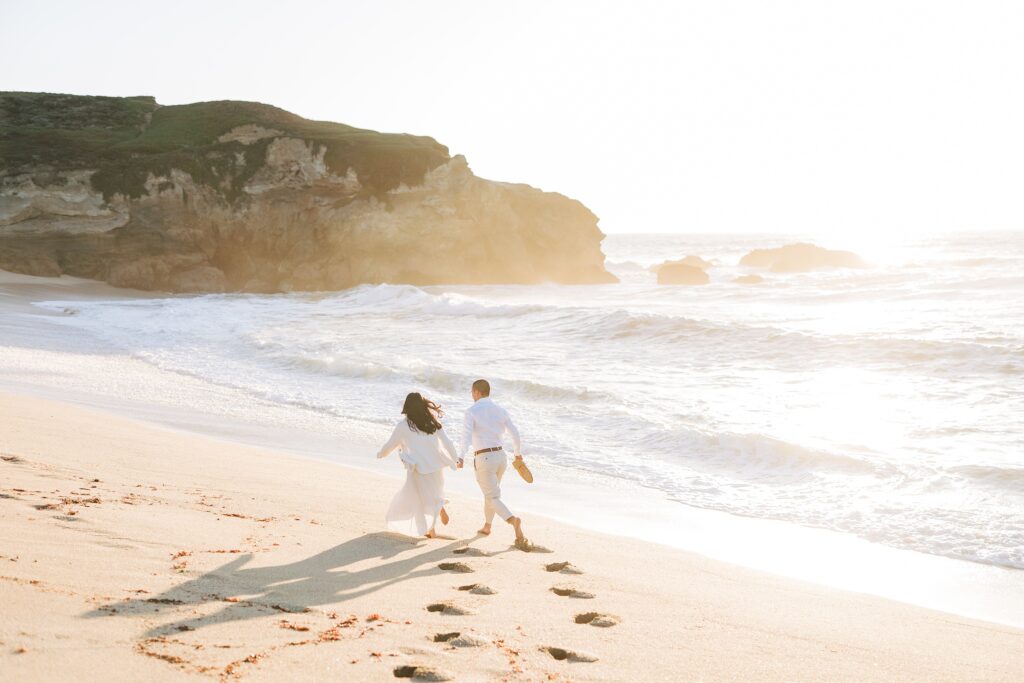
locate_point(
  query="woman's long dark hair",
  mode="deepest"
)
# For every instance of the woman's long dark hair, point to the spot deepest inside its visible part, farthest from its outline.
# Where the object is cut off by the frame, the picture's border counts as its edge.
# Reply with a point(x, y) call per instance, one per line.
point(422, 413)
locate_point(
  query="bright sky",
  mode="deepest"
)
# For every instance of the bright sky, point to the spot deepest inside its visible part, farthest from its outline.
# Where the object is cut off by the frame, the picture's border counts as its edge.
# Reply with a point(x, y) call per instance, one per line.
point(830, 118)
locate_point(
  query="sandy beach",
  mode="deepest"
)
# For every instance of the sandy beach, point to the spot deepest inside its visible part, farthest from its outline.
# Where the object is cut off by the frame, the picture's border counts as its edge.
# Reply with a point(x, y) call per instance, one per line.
point(741, 284)
point(131, 551)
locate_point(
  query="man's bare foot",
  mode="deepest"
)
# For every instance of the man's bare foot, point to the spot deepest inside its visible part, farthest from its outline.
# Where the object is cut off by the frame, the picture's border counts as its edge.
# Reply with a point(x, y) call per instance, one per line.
point(517, 524)
point(484, 530)
point(444, 517)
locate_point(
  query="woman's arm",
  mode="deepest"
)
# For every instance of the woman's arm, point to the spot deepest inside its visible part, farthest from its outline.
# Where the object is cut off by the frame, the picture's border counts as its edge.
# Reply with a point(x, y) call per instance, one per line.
point(397, 437)
point(450, 447)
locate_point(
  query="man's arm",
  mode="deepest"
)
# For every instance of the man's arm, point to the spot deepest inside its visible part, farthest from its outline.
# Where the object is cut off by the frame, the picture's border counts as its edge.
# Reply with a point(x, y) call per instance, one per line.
point(510, 426)
point(466, 442)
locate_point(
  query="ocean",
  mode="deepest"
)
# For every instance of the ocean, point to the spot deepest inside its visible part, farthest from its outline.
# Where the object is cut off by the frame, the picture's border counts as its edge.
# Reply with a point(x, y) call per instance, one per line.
point(885, 403)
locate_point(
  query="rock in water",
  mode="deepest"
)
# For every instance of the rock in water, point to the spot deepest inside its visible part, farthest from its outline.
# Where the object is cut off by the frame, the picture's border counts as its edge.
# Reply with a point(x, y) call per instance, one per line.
point(680, 274)
point(694, 261)
point(801, 257)
point(241, 196)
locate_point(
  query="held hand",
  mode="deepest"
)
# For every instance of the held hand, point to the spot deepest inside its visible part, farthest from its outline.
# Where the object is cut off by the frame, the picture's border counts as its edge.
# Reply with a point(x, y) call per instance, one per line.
point(461, 461)
point(519, 456)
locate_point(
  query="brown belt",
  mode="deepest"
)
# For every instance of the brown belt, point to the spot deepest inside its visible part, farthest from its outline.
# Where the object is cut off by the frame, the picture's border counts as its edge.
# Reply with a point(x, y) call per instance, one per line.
point(488, 450)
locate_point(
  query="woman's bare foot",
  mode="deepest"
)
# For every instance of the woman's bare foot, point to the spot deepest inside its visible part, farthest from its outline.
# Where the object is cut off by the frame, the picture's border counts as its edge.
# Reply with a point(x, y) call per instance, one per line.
point(485, 530)
point(444, 517)
point(431, 534)
point(517, 524)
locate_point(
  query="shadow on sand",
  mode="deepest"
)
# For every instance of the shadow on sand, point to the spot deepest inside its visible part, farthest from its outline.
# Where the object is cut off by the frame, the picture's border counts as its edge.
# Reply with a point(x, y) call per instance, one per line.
point(320, 579)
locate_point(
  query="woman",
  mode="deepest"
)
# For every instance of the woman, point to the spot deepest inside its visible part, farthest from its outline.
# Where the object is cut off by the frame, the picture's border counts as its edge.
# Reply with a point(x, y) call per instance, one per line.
point(426, 451)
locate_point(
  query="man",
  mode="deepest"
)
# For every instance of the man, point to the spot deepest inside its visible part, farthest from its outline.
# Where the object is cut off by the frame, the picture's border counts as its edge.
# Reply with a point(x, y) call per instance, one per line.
point(485, 425)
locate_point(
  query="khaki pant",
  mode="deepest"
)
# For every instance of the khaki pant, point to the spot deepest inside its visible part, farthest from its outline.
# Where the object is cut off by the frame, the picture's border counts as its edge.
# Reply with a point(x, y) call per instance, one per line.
point(490, 467)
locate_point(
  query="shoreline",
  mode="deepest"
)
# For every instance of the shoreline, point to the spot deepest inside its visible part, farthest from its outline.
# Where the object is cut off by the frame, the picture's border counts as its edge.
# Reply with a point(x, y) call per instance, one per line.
point(818, 556)
point(824, 557)
point(186, 541)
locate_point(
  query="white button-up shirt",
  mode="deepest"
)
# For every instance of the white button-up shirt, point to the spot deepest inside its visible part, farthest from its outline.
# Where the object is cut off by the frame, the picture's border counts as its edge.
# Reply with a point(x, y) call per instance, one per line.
point(485, 426)
point(423, 452)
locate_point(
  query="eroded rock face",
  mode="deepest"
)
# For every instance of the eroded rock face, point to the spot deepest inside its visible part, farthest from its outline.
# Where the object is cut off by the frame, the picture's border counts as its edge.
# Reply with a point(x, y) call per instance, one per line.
point(681, 274)
point(298, 226)
point(801, 257)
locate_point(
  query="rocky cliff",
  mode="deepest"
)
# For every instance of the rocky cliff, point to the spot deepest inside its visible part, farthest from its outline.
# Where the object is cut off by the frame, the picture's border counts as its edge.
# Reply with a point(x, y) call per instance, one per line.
point(240, 196)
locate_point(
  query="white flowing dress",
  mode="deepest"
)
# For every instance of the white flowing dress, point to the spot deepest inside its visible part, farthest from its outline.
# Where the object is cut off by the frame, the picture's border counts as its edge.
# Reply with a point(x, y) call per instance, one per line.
point(415, 508)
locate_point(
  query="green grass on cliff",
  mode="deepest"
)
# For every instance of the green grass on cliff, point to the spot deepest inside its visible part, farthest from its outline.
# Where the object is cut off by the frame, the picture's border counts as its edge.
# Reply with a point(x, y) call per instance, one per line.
point(128, 138)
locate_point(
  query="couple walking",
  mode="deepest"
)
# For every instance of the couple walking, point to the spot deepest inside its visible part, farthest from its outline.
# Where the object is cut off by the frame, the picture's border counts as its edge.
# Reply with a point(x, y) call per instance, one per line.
point(426, 450)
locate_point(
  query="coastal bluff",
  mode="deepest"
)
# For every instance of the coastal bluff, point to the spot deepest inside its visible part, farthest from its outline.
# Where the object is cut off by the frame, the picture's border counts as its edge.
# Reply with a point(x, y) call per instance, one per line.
point(242, 196)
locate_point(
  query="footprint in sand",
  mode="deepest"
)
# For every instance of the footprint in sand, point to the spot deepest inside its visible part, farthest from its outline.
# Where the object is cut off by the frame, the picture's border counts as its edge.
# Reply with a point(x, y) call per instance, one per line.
point(561, 654)
point(570, 592)
point(597, 619)
point(563, 568)
point(455, 567)
point(422, 673)
point(478, 589)
point(457, 639)
point(448, 608)
point(468, 640)
point(470, 551)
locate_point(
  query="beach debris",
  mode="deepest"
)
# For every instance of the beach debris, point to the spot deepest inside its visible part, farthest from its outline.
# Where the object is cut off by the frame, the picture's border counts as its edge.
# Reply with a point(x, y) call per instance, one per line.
point(478, 589)
point(563, 567)
point(561, 654)
point(571, 592)
point(330, 634)
point(11, 458)
point(232, 668)
point(94, 500)
point(455, 567)
point(180, 564)
point(470, 551)
point(445, 637)
point(597, 619)
point(289, 609)
point(421, 673)
point(284, 623)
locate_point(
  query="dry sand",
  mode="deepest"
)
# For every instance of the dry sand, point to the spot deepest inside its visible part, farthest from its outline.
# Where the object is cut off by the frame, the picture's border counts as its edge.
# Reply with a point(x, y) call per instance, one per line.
point(133, 552)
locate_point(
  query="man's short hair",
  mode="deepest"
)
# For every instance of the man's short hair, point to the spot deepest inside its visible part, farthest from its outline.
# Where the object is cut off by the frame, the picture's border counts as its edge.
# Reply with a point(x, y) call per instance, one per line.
point(482, 387)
